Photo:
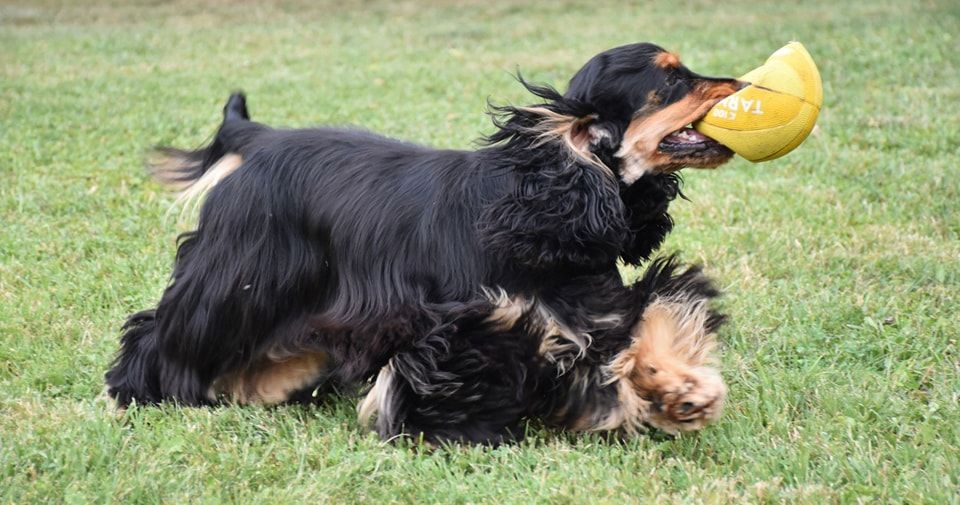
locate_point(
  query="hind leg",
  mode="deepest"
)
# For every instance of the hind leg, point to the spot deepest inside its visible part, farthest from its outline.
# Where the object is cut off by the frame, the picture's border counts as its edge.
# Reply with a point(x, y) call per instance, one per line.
point(134, 374)
point(224, 307)
point(143, 373)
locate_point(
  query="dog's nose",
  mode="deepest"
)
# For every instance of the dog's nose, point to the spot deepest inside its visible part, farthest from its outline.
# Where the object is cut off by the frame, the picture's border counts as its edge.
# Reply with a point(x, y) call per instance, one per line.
point(741, 84)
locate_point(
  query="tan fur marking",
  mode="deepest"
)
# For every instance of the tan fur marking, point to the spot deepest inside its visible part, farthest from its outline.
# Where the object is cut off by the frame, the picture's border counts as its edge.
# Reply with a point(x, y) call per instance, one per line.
point(559, 341)
point(191, 196)
point(675, 328)
point(271, 381)
point(508, 310)
point(653, 99)
point(640, 147)
point(667, 60)
point(559, 344)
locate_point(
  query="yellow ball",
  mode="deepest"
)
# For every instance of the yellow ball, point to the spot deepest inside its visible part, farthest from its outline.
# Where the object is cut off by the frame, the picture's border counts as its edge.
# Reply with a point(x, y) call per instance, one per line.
point(775, 113)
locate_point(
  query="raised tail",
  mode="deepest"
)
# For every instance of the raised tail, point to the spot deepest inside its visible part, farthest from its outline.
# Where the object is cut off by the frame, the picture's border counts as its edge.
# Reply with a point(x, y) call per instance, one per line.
point(183, 169)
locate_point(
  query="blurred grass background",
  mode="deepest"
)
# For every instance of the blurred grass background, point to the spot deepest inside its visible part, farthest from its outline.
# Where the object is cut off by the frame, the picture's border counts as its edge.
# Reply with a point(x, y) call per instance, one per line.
point(841, 262)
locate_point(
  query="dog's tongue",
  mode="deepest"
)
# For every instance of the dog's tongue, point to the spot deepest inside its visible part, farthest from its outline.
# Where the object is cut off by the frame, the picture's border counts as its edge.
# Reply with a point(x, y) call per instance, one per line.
point(686, 136)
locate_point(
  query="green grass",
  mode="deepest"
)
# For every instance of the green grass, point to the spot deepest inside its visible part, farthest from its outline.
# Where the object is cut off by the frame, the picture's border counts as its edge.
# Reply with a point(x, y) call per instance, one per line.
point(841, 261)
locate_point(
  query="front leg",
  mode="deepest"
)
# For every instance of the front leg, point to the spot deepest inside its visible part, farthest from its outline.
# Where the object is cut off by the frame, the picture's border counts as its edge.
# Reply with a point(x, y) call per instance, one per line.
point(646, 202)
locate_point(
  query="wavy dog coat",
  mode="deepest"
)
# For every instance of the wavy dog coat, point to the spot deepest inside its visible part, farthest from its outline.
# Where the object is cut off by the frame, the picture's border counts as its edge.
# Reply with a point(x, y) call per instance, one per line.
point(328, 255)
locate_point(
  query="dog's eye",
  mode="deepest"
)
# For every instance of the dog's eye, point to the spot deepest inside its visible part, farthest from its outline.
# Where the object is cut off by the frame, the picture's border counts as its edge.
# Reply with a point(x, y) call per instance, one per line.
point(672, 78)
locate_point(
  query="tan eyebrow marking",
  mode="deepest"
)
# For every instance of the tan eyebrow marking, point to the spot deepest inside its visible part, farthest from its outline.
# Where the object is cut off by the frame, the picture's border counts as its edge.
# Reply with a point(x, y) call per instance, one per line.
point(667, 59)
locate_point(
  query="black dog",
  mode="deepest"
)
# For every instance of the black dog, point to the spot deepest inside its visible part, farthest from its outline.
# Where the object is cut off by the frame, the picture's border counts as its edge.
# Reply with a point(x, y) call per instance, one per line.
point(480, 287)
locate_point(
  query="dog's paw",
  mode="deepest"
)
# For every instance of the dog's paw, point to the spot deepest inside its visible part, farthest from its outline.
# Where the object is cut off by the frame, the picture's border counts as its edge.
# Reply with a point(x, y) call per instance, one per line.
point(684, 400)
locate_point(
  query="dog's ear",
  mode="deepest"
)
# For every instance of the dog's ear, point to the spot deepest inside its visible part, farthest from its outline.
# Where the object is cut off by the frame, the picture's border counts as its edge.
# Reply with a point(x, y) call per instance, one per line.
point(605, 138)
point(592, 138)
point(564, 216)
point(573, 124)
point(564, 210)
point(603, 135)
point(588, 134)
point(584, 137)
point(588, 138)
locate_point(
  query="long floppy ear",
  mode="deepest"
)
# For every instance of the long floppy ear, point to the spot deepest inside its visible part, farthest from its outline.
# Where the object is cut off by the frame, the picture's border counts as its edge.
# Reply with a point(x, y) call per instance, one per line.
point(569, 215)
point(564, 209)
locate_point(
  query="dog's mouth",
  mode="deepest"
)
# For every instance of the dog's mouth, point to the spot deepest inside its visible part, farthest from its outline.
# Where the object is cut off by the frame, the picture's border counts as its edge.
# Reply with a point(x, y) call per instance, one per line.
point(687, 140)
point(694, 149)
point(664, 141)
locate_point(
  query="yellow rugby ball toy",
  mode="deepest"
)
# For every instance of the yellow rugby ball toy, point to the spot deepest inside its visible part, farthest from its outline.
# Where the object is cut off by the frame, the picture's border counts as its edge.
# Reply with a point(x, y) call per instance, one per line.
point(775, 113)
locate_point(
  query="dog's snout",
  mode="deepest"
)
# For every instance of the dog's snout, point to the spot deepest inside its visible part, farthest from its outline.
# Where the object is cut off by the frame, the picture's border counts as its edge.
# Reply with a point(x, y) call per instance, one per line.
point(723, 89)
point(718, 88)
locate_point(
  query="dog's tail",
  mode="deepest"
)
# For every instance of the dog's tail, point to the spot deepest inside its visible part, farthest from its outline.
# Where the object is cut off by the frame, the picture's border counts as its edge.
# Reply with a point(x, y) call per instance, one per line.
point(195, 172)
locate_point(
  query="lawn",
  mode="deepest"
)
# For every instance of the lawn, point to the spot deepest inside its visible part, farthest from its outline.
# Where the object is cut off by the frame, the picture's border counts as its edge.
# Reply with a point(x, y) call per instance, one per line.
point(841, 261)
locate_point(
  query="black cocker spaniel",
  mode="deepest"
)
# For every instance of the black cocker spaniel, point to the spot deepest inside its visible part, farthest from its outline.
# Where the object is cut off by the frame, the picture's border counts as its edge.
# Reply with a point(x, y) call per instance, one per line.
point(462, 291)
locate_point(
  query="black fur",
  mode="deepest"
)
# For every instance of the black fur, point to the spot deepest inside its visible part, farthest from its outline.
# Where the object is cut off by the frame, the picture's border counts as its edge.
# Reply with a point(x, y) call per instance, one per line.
point(374, 250)
point(465, 381)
